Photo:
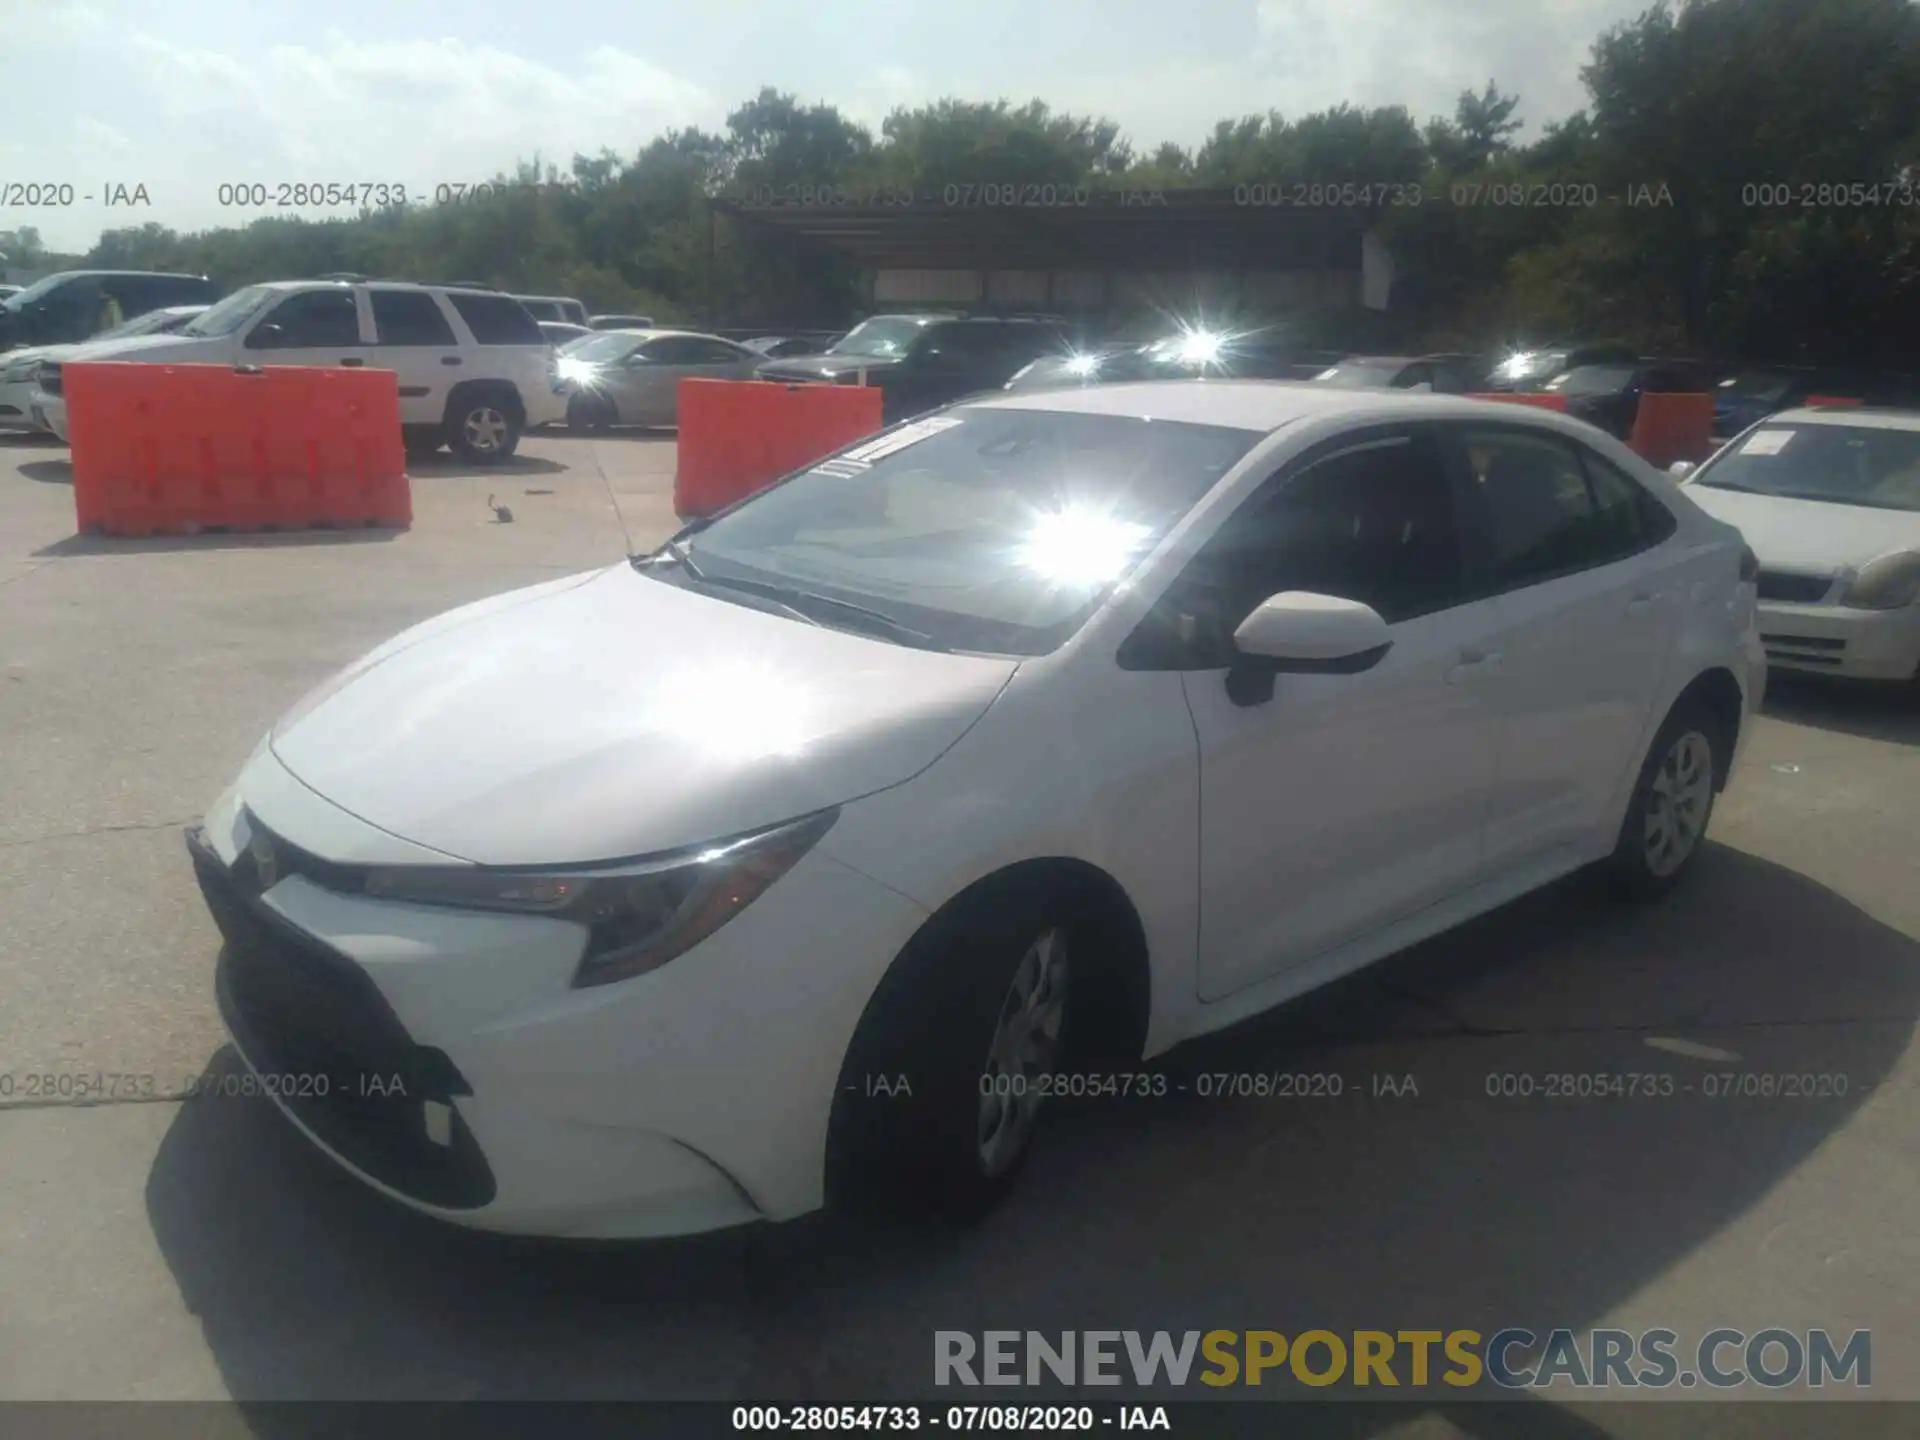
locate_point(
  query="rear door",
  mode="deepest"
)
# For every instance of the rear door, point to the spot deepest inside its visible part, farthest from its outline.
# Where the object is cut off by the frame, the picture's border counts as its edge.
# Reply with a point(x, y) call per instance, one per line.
point(1588, 608)
point(709, 358)
point(649, 382)
point(414, 339)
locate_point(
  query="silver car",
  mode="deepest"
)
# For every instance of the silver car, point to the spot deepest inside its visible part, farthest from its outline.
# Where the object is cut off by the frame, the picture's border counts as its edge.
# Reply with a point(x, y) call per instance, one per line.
point(632, 377)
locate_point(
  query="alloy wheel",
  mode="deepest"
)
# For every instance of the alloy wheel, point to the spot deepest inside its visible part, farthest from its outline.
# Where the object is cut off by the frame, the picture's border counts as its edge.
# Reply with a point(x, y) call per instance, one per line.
point(1677, 803)
point(1026, 1040)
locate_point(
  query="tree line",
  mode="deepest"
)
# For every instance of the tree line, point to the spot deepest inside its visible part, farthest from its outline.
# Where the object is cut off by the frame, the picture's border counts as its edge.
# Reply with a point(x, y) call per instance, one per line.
point(1743, 181)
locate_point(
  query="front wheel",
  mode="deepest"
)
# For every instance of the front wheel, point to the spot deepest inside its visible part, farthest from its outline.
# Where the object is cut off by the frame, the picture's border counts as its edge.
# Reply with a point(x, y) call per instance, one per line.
point(484, 431)
point(943, 1087)
point(1672, 802)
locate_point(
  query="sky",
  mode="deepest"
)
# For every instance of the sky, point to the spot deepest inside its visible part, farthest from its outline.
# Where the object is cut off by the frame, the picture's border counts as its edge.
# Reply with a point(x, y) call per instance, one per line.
point(179, 98)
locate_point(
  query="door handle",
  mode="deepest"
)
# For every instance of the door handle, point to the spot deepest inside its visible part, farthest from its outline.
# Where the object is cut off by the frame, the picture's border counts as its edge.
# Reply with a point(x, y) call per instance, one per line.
point(351, 360)
point(449, 359)
point(1640, 606)
point(1472, 663)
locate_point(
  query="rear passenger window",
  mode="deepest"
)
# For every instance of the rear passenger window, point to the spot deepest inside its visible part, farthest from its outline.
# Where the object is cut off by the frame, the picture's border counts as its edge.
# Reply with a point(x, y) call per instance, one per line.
point(1539, 515)
point(1626, 505)
point(409, 317)
point(497, 319)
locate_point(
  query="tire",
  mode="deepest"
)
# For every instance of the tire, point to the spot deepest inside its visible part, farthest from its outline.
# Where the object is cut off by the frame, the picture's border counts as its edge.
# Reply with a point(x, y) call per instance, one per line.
point(589, 414)
point(483, 427)
point(1672, 804)
point(939, 1052)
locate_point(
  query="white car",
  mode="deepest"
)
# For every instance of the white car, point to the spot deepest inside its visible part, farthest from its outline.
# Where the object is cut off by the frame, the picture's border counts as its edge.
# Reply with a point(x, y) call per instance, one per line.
point(1830, 502)
point(632, 377)
point(474, 370)
point(19, 367)
point(1033, 737)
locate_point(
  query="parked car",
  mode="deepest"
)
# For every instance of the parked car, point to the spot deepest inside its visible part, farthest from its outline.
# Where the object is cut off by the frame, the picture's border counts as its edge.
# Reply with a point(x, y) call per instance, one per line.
point(555, 307)
point(1830, 502)
point(19, 368)
point(786, 863)
point(1439, 374)
point(778, 347)
point(632, 377)
point(1531, 369)
point(74, 305)
point(1748, 396)
point(620, 322)
point(1609, 395)
point(1186, 353)
point(474, 369)
point(559, 333)
point(921, 362)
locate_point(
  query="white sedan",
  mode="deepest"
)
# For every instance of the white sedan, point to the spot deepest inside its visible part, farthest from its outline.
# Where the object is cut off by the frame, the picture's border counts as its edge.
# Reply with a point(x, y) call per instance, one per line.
point(1830, 501)
point(785, 864)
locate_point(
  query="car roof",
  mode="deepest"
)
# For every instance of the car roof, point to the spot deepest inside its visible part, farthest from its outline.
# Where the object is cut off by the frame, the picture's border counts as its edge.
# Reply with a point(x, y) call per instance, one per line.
point(1259, 405)
point(1860, 416)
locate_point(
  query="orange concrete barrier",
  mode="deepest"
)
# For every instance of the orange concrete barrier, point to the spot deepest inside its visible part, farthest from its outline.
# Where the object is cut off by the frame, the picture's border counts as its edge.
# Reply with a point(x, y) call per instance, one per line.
point(1667, 428)
point(175, 449)
point(738, 436)
point(1555, 403)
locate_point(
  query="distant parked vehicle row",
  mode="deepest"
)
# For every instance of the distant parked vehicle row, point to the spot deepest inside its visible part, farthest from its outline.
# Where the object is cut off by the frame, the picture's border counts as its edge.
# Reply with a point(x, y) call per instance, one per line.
point(1531, 369)
point(76, 305)
point(20, 369)
point(620, 322)
point(632, 377)
point(559, 333)
point(921, 361)
point(1609, 395)
point(561, 308)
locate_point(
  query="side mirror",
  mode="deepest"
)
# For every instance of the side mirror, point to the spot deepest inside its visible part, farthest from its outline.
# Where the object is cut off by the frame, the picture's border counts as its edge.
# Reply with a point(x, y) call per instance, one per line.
point(636, 361)
point(1298, 632)
point(1681, 469)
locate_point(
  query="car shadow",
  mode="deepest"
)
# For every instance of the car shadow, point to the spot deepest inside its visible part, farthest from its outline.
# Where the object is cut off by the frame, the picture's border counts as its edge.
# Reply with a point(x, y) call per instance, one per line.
point(30, 440)
point(48, 472)
point(216, 540)
point(452, 467)
point(1867, 709)
point(1437, 1203)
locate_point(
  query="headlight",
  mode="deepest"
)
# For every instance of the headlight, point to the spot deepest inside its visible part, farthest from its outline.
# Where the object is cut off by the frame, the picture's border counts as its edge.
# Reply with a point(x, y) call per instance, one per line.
point(638, 916)
point(571, 368)
point(1081, 366)
point(1887, 583)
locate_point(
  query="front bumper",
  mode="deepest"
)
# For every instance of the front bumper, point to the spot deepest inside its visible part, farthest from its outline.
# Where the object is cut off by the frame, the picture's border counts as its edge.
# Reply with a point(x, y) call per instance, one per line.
point(444, 1058)
point(16, 405)
point(48, 412)
point(1839, 640)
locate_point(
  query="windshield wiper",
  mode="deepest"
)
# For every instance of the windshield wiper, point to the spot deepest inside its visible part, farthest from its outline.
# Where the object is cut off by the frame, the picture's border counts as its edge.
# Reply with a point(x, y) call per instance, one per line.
point(799, 601)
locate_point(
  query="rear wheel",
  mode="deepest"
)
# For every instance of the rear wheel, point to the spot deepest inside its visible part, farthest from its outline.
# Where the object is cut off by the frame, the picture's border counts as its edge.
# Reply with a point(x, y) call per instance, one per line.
point(589, 414)
point(1666, 820)
point(943, 1087)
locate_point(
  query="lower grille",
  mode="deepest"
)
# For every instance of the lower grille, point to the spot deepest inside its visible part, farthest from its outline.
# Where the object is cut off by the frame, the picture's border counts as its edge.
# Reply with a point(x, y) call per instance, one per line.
point(315, 1026)
point(1793, 589)
point(1801, 657)
point(1804, 642)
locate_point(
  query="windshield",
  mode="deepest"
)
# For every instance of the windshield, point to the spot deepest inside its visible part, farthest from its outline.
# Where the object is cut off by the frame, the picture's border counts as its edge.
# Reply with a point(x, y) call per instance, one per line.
point(1592, 380)
point(604, 347)
point(1841, 464)
point(882, 336)
point(151, 323)
point(1359, 376)
point(34, 291)
point(984, 529)
point(1756, 385)
point(231, 313)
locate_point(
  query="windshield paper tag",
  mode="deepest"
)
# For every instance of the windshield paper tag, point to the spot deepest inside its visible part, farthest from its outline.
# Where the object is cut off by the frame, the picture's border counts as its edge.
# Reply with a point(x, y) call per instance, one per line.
point(1767, 442)
point(900, 439)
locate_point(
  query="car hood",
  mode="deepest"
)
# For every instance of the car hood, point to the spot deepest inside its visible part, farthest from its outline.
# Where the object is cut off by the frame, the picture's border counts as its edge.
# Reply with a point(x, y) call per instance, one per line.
point(613, 714)
point(185, 348)
point(1809, 535)
point(823, 367)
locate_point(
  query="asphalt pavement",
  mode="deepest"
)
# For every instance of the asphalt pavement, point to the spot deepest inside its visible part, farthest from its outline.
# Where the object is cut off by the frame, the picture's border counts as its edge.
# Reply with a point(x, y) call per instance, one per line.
point(154, 1249)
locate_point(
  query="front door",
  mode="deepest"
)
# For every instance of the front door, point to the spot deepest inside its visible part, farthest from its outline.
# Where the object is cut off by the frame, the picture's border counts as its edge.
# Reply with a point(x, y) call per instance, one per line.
point(311, 327)
point(1343, 802)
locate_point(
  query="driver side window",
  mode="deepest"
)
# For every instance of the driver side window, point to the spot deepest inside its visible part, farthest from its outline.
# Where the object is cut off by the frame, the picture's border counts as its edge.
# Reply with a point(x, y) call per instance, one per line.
point(1372, 522)
point(310, 320)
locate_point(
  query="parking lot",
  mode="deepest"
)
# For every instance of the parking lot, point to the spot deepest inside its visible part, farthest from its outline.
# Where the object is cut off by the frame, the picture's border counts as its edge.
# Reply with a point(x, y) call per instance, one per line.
point(187, 1250)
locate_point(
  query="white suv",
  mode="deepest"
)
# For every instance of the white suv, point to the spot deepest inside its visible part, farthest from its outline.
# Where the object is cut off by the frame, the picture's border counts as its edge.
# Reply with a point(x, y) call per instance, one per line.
point(474, 369)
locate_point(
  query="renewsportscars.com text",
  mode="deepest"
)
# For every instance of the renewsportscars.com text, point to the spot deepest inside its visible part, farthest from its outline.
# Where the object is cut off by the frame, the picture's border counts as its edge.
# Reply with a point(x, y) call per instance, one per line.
point(1514, 1358)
